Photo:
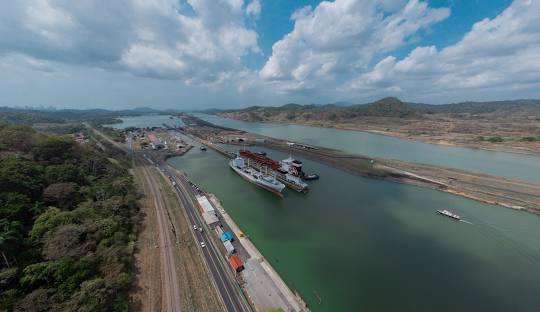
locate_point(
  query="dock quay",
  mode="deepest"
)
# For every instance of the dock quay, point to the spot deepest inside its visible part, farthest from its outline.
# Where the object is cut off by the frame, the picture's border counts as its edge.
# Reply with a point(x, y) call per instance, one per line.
point(263, 285)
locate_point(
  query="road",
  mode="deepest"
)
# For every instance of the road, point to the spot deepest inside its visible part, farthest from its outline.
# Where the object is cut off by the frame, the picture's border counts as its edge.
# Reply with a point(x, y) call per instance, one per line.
point(232, 295)
point(227, 286)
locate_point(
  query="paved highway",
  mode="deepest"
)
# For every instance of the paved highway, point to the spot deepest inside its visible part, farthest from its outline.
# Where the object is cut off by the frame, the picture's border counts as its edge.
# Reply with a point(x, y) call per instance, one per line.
point(232, 295)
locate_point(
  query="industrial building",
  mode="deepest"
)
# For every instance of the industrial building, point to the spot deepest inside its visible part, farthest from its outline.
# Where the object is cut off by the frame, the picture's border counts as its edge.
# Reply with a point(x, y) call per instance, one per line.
point(208, 211)
point(155, 142)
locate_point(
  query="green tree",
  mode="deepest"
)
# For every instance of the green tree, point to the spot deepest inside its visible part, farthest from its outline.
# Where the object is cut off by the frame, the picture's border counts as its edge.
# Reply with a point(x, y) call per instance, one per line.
point(22, 176)
point(10, 239)
point(62, 195)
point(54, 149)
point(14, 205)
point(63, 173)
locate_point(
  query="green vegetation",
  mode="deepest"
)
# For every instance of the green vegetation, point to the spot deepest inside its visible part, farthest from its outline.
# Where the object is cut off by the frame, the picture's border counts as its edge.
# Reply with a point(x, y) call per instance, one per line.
point(530, 139)
point(116, 135)
point(495, 139)
point(68, 219)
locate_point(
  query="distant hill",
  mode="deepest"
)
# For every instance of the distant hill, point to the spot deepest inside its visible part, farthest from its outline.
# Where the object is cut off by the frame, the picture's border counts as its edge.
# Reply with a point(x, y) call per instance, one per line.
point(33, 116)
point(386, 107)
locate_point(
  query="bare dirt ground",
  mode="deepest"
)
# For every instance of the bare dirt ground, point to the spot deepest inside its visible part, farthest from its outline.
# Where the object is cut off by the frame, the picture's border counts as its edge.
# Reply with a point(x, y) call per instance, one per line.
point(145, 294)
point(508, 193)
point(470, 130)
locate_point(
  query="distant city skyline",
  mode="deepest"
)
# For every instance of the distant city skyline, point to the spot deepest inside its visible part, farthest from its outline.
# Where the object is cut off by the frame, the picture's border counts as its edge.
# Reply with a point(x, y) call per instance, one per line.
point(196, 54)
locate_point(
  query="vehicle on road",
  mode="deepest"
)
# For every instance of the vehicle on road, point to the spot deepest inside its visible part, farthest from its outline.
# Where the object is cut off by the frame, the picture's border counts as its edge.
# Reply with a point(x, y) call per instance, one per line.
point(203, 244)
point(194, 226)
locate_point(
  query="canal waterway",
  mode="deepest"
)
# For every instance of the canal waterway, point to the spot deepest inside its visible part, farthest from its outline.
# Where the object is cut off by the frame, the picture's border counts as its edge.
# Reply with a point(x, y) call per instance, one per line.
point(367, 245)
point(511, 165)
point(147, 121)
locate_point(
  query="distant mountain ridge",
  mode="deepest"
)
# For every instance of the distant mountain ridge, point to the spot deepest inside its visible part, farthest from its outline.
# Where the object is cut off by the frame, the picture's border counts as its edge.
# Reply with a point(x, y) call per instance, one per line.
point(385, 107)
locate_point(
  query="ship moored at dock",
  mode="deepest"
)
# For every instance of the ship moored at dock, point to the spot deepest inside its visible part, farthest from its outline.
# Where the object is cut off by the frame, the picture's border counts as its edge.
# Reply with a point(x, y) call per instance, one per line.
point(256, 177)
point(288, 171)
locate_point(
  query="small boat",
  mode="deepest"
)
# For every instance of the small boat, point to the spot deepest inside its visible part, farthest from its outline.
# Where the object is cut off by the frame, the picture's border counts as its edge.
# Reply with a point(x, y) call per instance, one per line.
point(311, 176)
point(261, 153)
point(447, 213)
point(203, 148)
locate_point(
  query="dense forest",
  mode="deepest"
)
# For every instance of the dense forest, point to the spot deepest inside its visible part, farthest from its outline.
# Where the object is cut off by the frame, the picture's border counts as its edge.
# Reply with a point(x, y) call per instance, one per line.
point(68, 222)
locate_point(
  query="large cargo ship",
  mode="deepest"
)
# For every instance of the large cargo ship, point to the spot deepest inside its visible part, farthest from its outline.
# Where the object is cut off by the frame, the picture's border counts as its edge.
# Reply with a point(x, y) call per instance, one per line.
point(290, 169)
point(256, 177)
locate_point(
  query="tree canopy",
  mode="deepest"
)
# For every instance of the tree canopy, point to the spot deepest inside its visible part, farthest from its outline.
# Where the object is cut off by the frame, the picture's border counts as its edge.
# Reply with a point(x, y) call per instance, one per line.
point(68, 218)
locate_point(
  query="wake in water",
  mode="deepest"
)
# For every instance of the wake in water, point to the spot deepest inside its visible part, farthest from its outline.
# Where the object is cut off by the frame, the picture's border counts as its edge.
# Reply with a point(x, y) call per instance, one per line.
point(466, 221)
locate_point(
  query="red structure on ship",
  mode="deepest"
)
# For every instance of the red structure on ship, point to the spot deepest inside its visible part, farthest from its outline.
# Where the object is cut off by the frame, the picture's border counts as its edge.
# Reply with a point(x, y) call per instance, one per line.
point(261, 160)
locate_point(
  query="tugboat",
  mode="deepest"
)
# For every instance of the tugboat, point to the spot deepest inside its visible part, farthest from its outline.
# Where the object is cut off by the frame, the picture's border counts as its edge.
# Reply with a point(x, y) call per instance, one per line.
point(311, 176)
point(447, 213)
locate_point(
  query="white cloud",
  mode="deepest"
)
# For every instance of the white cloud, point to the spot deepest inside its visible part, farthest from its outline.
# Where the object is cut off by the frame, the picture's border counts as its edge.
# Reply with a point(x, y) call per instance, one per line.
point(254, 8)
point(340, 38)
point(156, 38)
point(496, 57)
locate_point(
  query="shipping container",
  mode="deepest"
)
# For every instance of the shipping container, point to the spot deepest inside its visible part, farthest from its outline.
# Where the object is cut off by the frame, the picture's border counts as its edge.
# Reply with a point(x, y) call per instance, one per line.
point(236, 263)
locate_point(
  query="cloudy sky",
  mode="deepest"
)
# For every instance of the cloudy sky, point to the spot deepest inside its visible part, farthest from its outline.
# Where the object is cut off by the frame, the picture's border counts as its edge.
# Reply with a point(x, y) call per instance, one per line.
point(233, 53)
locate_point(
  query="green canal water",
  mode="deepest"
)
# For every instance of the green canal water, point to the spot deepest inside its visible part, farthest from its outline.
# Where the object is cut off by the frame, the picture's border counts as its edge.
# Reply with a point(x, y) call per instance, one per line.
point(368, 245)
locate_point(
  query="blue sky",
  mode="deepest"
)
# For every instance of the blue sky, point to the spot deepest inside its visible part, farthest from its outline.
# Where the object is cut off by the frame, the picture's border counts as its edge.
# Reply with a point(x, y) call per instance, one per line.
point(233, 53)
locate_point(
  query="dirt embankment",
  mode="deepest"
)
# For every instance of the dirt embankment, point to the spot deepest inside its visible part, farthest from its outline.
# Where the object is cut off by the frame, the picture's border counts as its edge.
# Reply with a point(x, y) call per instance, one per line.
point(517, 134)
point(508, 193)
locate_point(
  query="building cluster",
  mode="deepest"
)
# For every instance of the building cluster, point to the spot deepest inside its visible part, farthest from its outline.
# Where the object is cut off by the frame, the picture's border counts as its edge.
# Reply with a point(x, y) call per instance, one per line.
point(226, 237)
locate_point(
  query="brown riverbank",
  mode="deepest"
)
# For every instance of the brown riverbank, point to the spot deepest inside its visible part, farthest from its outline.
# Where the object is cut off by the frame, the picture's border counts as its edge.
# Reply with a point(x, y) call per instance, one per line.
point(510, 126)
point(470, 133)
point(504, 192)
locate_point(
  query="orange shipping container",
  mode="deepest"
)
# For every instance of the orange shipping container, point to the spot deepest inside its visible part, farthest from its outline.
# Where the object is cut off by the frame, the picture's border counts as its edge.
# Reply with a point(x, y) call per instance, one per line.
point(236, 263)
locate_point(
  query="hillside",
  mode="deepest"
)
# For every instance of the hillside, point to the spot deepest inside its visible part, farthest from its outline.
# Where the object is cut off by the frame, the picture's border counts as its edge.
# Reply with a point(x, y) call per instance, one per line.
point(506, 125)
point(68, 219)
point(386, 107)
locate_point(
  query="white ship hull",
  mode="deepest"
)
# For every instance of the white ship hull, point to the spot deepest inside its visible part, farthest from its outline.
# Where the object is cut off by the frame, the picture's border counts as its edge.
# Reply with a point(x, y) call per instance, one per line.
point(257, 178)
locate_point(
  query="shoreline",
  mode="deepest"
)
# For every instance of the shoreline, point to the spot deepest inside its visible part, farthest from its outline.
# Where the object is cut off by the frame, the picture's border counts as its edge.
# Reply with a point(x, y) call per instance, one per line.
point(508, 193)
point(288, 299)
point(294, 301)
point(393, 134)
